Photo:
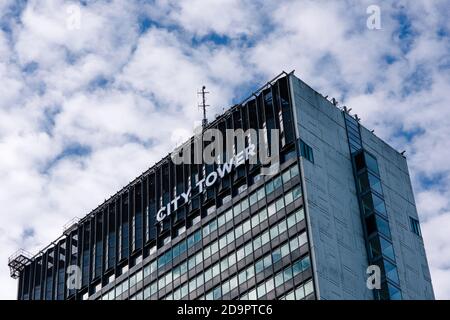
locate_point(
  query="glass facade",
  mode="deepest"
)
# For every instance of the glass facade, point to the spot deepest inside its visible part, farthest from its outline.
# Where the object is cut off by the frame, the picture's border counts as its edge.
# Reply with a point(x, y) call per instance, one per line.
point(374, 214)
point(234, 238)
point(245, 236)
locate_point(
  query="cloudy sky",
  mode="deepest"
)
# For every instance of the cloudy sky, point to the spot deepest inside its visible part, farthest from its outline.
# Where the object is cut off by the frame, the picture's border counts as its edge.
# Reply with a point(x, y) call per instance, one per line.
point(88, 104)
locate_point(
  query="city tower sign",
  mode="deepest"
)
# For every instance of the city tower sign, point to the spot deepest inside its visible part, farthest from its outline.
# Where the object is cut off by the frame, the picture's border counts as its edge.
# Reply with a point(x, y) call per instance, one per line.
point(221, 171)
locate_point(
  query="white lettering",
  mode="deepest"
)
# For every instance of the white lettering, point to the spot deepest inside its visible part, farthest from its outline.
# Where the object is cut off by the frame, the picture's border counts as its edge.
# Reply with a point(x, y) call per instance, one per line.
point(225, 169)
point(161, 214)
point(199, 185)
point(209, 181)
point(239, 159)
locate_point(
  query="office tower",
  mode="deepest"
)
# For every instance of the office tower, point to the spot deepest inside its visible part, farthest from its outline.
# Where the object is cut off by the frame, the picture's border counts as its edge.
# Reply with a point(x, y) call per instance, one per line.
point(340, 201)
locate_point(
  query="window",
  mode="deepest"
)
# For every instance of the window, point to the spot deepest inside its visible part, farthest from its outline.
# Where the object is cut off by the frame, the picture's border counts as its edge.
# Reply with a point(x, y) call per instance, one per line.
point(190, 241)
point(306, 263)
point(276, 255)
point(415, 226)
point(297, 267)
point(259, 266)
point(238, 231)
point(237, 209)
point(291, 221)
point(260, 193)
point(263, 215)
point(376, 223)
point(228, 215)
point(368, 181)
point(294, 171)
point(286, 176)
point(308, 288)
point(372, 202)
point(221, 220)
point(233, 283)
point(302, 239)
point(306, 151)
point(255, 220)
point(181, 230)
point(285, 250)
point(253, 198)
point(300, 293)
point(269, 285)
point(288, 198)
point(271, 209)
point(297, 192)
point(277, 182)
point(274, 232)
point(269, 187)
point(279, 279)
point(371, 163)
point(265, 238)
point(287, 274)
point(246, 226)
point(279, 204)
point(261, 290)
point(196, 220)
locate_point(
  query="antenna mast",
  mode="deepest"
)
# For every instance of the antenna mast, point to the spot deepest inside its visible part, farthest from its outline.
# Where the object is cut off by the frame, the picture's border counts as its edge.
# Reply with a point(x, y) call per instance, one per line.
point(203, 106)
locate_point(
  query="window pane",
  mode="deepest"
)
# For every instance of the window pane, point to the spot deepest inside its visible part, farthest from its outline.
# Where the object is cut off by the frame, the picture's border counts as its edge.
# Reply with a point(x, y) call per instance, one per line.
point(276, 255)
point(387, 249)
point(244, 204)
point(270, 285)
point(300, 215)
point(277, 182)
point(285, 250)
point(305, 263)
point(229, 215)
point(287, 274)
point(282, 226)
point(391, 271)
point(253, 198)
point(261, 290)
point(271, 209)
point(302, 239)
point(255, 220)
point(261, 194)
point(291, 221)
point(288, 198)
point(375, 184)
point(300, 293)
point(259, 266)
point(308, 288)
point(379, 204)
point(279, 279)
point(294, 170)
point(265, 238)
point(238, 231)
point(246, 226)
point(237, 209)
point(263, 215)
point(371, 163)
point(273, 232)
point(297, 192)
point(286, 176)
point(269, 187)
point(279, 204)
point(297, 267)
point(383, 226)
point(221, 221)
